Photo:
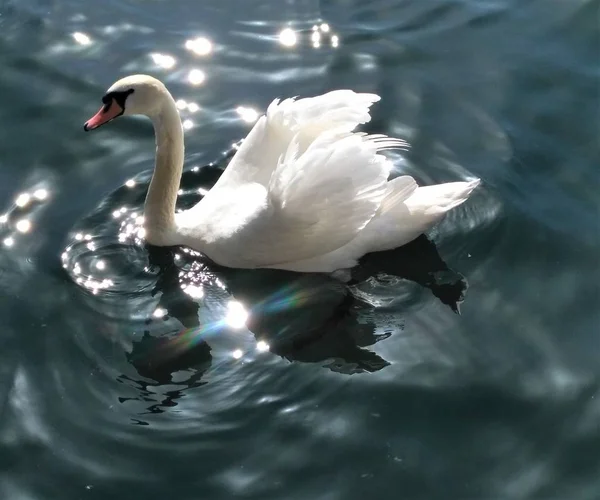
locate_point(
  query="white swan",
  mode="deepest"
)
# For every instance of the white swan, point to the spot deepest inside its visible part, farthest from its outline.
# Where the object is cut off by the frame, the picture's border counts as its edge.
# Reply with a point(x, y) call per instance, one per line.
point(303, 193)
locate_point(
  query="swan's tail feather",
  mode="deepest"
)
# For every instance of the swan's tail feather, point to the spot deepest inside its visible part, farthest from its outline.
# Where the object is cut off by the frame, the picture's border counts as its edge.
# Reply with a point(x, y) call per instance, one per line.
point(408, 211)
point(441, 198)
point(398, 190)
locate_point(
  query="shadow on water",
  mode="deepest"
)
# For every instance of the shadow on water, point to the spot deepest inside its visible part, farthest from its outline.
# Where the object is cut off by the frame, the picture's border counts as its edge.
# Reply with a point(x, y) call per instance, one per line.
point(309, 318)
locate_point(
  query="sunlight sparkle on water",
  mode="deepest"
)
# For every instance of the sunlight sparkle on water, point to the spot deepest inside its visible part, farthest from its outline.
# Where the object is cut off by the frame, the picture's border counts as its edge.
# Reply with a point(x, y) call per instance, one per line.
point(249, 115)
point(9, 242)
point(3, 218)
point(81, 38)
point(187, 124)
point(130, 183)
point(163, 60)
point(194, 291)
point(196, 77)
point(262, 346)
point(325, 28)
point(201, 46)
point(237, 354)
point(40, 194)
point(23, 226)
point(23, 199)
point(101, 265)
point(287, 37)
point(181, 104)
point(193, 107)
point(159, 312)
point(236, 315)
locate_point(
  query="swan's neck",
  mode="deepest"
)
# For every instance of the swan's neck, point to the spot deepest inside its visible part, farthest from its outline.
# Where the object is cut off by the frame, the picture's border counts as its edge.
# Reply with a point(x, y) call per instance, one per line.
point(159, 210)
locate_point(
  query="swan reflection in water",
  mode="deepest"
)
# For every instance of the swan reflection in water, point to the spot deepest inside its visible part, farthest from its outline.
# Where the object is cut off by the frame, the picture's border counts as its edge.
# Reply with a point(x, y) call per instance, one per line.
point(310, 318)
point(304, 318)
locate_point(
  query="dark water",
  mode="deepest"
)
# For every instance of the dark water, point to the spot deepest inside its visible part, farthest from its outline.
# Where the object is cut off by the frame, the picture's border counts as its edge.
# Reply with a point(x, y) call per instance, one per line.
point(128, 372)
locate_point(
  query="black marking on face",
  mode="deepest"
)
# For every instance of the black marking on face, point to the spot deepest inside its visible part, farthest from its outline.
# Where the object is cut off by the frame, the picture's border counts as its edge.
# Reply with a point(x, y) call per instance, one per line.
point(119, 96)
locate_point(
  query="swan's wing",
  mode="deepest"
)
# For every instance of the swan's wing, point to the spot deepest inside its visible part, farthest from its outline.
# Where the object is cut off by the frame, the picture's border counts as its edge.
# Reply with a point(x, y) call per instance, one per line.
point(315, 202)
point(302, 119)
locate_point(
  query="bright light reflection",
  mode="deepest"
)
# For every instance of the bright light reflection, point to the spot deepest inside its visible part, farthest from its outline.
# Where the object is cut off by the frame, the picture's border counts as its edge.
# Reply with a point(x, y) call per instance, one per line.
point(181, 104)
point(81, 38)
point(200, 46)
point(249, 115)
point(23, 199)
point(40, 194)
point(194, 291)
point(193, 107)
point(236, 315)
point(23, 226)
point(237, 354)
point(79, 236)
point(101, 265)
point(187, 124)
point(9, 242)
point(196, 76)
point(3, 218)
point(287, 37)
point(325, 28)
point(163, 60)
point(159, 313)
point(335, 41)
point(130, 183)
point(262, 346)
point(315, 37)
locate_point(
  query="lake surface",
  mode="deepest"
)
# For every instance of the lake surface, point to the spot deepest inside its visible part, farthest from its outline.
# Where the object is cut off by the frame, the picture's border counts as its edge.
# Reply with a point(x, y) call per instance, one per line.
point(128, 372)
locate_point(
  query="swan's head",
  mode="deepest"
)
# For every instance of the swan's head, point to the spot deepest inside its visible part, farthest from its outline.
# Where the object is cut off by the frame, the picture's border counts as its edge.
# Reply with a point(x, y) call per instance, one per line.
point(132, 95)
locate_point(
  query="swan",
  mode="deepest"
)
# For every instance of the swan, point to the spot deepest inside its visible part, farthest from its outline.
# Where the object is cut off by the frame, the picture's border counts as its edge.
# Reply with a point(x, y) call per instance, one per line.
point(304, 192)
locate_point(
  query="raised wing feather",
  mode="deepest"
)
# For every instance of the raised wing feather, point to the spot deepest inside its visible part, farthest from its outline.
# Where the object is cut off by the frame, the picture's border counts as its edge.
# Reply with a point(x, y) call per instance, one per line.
point(305, 119)
point(315, 184)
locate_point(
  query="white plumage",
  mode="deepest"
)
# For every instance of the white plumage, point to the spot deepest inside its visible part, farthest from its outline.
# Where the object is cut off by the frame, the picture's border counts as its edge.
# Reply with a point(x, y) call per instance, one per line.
point(305, 191)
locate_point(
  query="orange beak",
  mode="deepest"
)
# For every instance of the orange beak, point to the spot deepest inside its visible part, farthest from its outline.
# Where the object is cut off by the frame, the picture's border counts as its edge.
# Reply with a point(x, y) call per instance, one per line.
point(107, 113)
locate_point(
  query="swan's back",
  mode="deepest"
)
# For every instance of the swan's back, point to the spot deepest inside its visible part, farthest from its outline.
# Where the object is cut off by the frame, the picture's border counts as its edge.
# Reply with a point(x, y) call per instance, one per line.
point(316, 184)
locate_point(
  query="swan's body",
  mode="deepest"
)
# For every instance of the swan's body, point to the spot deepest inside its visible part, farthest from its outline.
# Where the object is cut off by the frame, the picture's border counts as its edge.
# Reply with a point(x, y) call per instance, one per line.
point(304, 192)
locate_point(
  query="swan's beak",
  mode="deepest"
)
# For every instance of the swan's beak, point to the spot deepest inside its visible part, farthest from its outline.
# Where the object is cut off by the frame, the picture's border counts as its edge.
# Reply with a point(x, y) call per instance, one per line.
point(106, 114)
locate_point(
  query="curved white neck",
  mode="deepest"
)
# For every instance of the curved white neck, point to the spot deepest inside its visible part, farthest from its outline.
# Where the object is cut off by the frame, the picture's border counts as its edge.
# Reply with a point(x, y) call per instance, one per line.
point(159, 209)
